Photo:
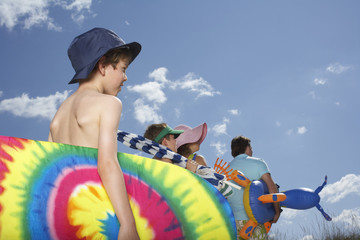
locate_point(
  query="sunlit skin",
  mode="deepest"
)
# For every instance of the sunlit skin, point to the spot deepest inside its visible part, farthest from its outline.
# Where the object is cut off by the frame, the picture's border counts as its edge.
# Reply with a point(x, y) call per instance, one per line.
point(90, 117)
point(194, 147)
point(171, 144)
point(117, 77)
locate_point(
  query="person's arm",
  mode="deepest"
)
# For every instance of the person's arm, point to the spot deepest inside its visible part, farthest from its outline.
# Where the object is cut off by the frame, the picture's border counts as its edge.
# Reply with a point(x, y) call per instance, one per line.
point(165, 160)
point(272, 189)
point(109, 169)
point(50, 137)
point(191, 165)
point(200, 160)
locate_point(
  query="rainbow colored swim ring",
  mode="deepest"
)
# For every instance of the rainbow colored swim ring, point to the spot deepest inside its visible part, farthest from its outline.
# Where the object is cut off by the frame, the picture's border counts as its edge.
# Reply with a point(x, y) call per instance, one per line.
point(53, 191)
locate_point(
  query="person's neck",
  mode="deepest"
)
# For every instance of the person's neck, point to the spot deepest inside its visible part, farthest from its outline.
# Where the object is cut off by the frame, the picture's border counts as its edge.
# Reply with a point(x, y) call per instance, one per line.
point(90, 85)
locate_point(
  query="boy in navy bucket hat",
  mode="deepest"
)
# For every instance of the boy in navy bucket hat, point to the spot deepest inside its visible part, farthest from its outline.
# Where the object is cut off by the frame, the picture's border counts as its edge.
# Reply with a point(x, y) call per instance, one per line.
point(91, 115)
point(87, 49)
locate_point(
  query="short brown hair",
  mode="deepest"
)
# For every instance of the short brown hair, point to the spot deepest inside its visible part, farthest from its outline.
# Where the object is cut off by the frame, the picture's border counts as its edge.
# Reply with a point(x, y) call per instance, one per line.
point(153, 130)
point(239, 144)
point(113, 56)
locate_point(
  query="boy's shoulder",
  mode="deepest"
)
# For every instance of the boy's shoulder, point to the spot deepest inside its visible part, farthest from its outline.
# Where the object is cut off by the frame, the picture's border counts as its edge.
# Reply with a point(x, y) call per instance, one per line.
point(96, 98)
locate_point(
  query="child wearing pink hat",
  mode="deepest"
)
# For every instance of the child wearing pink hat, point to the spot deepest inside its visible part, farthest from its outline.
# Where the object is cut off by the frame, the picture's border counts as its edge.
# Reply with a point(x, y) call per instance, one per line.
point(188, 143)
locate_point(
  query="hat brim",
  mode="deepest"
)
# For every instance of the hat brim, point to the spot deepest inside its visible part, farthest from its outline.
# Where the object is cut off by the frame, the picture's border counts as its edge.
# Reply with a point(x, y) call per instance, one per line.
point(191, 135)
point(167, 131)
point(134, 47)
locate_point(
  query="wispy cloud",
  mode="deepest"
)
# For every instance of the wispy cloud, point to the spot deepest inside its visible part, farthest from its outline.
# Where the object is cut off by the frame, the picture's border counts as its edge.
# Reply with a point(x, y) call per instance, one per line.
point(220, 129)
point(302, 130)
point(177, 113)
point(337, 68)
point(334, 192)
point(219, 147)
point(349, 216)
point(159, 75)
point(151, 91)
point(153, 96)
point(289, 213)
point(79, 8)
point(195, 84)
point(313, 95)
point(320, 81)
point(234, 112)
point(43, 107)
point(30, 13)
point(146, 113)
point(1, 93)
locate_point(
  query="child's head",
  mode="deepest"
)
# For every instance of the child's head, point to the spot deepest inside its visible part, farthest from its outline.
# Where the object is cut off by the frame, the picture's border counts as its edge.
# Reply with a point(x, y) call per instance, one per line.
point(163, 134)
point(189, 142)
point(240, 145)
point(88, 48)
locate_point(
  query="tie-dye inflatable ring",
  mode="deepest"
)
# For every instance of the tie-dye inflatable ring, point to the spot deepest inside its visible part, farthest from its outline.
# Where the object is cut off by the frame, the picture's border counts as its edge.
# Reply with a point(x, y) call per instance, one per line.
point(53, 191)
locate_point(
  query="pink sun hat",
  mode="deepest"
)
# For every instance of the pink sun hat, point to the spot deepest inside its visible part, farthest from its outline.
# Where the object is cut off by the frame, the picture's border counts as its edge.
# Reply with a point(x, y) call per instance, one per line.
point(191, 135)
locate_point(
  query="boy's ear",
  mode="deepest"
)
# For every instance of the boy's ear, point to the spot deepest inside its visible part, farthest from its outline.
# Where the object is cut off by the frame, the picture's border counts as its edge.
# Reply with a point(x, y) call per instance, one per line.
point(164, 142)
point(101, 66)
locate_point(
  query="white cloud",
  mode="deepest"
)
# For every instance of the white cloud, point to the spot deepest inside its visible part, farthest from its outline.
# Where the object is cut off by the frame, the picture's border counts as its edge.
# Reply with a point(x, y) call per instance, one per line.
point(278, 124)
point(1, 93)
point(234, 112)
point(302, 130)
point(320, 81)
point(195, 84)
point(337, 68)
point(127, 23)
point(289, 132)
point(336, 191)
point(146, 113)
point(43, 107)
point(151, 91)
point(289, 213)
point(220, 148)
point(77, 5)
point(349, 216)
point(159, 75)
point(220, 128)
point(29, 13)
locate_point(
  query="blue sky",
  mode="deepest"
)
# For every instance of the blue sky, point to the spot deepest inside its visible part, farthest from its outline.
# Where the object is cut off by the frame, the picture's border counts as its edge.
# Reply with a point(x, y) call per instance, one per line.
point(286, 74)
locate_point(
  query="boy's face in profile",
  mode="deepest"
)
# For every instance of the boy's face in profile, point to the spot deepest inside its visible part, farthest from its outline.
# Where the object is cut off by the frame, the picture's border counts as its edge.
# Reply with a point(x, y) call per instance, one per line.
point(116, 76)
point(170, 143)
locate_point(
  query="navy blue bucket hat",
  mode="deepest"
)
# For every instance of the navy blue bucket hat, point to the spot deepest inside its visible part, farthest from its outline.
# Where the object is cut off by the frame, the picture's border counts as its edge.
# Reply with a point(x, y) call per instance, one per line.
point(87, 49)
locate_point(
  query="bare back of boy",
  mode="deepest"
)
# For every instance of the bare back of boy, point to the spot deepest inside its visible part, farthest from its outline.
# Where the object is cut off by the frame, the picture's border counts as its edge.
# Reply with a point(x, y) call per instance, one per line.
point(91, 119)
point(77, 121)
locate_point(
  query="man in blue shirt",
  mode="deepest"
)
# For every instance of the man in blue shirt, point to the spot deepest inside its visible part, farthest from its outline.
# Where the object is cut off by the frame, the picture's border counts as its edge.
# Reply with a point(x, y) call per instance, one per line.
point(253, 169)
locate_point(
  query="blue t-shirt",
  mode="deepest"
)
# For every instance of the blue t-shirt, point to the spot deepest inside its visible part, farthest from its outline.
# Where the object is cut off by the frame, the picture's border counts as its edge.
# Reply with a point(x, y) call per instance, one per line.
point(253, 169)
